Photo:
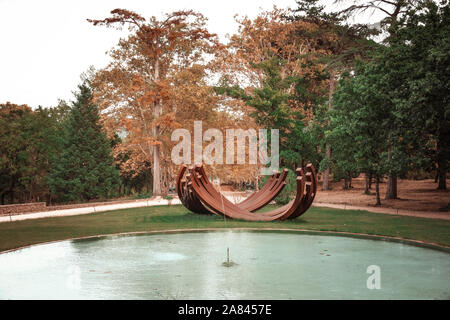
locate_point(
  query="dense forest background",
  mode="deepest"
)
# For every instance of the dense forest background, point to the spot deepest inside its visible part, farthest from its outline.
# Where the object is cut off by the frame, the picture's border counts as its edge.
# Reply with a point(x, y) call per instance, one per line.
point(350, 98)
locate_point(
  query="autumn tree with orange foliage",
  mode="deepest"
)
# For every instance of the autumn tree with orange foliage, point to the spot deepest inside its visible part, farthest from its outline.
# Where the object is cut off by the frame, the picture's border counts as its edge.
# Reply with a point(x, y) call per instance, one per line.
point(276, 71)
point(157, 81)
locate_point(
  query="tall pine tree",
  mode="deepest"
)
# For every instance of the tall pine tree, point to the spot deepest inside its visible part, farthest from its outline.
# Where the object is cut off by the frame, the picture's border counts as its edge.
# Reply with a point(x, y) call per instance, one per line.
point(84, 170)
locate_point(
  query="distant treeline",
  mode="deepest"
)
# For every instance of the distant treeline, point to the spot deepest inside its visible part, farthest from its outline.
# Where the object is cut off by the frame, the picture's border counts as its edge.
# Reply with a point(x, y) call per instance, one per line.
point(61, 155)
point(341, 100)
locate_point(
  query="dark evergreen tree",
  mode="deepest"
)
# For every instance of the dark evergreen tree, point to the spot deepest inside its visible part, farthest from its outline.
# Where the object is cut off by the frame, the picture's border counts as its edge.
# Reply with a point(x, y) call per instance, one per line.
point(85, 168)
point(344, 44)
point(14, 158)
point(426, 42)
point(395, 107)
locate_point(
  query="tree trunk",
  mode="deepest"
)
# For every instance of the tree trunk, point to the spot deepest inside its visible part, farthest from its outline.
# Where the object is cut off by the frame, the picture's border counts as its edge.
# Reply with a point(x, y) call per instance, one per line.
point(377, 190)
point(326, 173)
point(156, 171)
point(442, 173)
point(391, 190)
point(156, 148)
point(348, 181)
point(442, 148)
point(366, 183)
point(31, 193)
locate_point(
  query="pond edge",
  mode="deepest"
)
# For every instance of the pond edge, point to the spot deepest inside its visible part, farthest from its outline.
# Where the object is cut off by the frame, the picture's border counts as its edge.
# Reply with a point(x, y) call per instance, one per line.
point(365, 236)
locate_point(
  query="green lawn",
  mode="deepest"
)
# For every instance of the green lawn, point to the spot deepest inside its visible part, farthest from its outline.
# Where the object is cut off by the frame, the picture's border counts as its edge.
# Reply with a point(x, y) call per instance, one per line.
point(21, 233)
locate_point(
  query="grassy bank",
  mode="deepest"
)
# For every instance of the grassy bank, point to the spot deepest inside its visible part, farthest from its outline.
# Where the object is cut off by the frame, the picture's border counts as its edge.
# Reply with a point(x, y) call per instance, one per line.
point(21, 233)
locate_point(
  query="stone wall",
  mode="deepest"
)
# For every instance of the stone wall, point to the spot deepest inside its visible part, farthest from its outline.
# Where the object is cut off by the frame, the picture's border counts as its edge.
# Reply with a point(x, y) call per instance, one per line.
point(15, 209)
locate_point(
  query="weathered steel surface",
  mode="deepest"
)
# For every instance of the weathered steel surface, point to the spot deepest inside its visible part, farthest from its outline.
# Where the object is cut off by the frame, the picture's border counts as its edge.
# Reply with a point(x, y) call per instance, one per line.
point(198, 194)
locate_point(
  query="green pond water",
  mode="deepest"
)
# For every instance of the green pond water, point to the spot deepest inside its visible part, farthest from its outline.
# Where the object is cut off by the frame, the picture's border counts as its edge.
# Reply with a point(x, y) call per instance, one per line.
point(266, 265)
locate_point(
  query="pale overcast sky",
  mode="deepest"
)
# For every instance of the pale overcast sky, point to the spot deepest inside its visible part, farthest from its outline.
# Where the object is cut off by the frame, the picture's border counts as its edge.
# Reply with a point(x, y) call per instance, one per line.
point(45, 45)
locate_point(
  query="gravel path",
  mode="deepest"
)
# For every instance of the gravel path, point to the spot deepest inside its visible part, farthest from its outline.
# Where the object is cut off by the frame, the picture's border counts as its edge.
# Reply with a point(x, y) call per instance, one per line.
point(160, 201)
point(422, 214)
point(86, 210)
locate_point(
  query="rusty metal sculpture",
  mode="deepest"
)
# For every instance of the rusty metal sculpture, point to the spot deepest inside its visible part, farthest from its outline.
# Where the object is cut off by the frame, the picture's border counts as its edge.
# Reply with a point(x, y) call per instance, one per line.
point(198, 194)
